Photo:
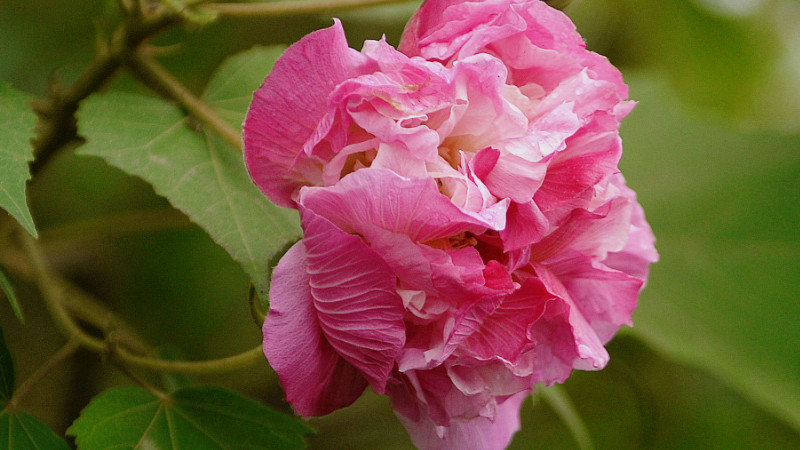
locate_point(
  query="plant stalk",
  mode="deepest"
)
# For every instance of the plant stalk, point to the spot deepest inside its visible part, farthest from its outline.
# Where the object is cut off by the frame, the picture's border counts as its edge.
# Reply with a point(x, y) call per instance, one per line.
point(288, 7)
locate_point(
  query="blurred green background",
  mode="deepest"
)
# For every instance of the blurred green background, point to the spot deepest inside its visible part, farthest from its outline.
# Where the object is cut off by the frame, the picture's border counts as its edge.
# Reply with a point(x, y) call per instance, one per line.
point(712, 149)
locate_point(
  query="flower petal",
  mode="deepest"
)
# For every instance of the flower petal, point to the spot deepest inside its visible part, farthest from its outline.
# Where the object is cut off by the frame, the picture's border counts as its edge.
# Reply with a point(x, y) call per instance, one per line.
point(381, 198)
point(595, 233)
point(476, 433)
point(502, 333)
point(591, 155)
point(355, 297)
point(508, 175)
point(286, 109)
point(605, 297)
point(639, 252)
point(526, 225)
point(315, 378)
point(574, 346)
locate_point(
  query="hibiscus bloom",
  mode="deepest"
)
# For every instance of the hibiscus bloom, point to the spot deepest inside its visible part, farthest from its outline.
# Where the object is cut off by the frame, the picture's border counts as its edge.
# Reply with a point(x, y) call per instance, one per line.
point(466, 231)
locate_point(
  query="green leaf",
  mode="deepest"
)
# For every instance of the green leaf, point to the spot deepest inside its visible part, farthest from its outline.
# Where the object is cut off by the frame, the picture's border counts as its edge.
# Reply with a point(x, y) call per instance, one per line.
point(8, 290)
point(724, 207)
point(19, 430)
point(6, 370)
point(22, 431)
point(17, 121)
point(196, 171)
point(230, 90)
point(195, 417)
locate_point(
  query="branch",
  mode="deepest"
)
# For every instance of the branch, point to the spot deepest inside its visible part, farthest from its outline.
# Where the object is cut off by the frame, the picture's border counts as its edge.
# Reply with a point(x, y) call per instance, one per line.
point(155, 75)
point(282, 8)
point(211, 366)
point(57, 125)
point(54, 294)
point(60, 356)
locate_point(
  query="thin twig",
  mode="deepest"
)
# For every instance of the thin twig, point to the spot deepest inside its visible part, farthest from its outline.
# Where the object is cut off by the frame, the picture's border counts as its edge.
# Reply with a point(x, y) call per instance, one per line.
point(60, 356)
point(141, 381)
point(282, 8)
point(57, 123)
point(212, 366)
point(53, 294)
point(155, 75)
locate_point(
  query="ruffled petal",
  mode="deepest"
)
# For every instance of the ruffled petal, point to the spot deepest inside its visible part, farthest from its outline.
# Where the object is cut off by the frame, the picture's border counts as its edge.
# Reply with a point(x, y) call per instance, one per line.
point(639, 252)
point(286, 109)
point(508, 175)
point(502, 332)
point(492, 431)
point(605, 297)
point(594, 233)
point(526, 225)
point(524, 34)
point(315, 378)
point(445, 29)
point(565, 338)
point(355, 298)
point(590, 156)
point(381, 198)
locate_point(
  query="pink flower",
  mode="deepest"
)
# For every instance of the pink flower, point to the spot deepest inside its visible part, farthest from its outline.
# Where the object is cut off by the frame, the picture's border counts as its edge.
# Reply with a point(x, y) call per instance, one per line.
point(467, 233)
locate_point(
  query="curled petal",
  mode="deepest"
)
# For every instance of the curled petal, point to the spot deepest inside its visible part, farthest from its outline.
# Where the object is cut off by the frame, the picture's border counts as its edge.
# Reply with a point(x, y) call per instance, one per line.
point(381, 198)
point(594, 233)
point(355, 298)
point(490, 426)
point(286, 109)
point(591, 156)
point(639, 252)
point(565, 338)
point(605, 297)
point(315, 378)
point(526, 225)
point(509, 176)
point(502, 332)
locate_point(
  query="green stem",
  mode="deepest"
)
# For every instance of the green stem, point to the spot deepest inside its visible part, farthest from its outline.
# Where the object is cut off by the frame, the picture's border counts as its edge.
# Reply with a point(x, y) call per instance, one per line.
point(57, 124)
point(211, 366)
point(156, 76)
point(53, 294)
point(141, 381)
point(60, 356)
point(559, 400)
point(287, 7)
point(256, 312)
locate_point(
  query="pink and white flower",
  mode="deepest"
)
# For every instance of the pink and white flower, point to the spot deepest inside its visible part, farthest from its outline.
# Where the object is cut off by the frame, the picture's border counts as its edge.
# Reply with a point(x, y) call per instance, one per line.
point(467, 233)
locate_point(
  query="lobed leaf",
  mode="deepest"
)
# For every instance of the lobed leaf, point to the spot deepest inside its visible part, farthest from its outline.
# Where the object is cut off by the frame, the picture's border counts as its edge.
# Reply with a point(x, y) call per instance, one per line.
point(22, 431)
point(194, 417)
point(17, 122)
point(231, 88)
point(196, 171)
point(19, 430)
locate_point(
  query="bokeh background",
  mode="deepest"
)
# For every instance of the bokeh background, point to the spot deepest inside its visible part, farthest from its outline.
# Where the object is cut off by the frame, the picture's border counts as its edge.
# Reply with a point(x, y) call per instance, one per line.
point(712, 149)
